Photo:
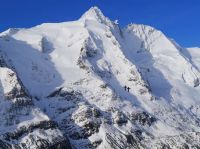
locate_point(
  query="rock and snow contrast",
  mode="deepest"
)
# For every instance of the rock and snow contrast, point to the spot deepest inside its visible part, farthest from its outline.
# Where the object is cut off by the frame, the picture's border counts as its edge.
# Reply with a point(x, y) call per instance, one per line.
point(62, 86)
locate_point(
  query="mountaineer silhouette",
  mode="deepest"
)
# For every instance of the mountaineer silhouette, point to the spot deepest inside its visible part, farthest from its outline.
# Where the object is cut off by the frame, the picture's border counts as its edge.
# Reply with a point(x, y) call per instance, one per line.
point(125, 87)
point(128, 88)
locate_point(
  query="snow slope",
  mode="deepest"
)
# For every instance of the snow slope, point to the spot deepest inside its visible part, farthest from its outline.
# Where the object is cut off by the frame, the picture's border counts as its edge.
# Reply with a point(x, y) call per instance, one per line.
point(169, 72)
point(76, 73)
point(193, 54)
point(22, 124)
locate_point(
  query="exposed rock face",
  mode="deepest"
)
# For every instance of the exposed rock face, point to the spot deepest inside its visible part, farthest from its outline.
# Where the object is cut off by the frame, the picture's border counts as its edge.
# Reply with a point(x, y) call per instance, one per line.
point(119, 140)
point(79, 120)
point(183, 141)
point(88, 116)
point(119, 118)
point(142, 118)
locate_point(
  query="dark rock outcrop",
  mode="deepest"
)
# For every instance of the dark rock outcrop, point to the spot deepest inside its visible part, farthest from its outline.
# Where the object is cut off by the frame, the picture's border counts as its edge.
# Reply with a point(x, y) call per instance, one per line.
point(142, 118)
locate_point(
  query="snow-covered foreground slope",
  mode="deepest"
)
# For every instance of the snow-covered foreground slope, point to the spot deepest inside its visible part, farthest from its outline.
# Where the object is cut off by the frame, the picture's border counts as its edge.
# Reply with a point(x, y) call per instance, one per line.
point(22, 124)
point(76, 72)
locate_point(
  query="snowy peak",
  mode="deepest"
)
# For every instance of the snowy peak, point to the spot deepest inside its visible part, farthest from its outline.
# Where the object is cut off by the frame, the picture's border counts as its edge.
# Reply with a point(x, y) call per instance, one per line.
point(95, 14)
point(151, 49)
point(141, 27)
point(146, 35)
point(104, 87)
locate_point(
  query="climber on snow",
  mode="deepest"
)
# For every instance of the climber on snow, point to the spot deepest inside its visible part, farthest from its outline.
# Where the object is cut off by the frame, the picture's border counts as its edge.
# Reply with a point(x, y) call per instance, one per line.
point(128, 88)
point(125, 87)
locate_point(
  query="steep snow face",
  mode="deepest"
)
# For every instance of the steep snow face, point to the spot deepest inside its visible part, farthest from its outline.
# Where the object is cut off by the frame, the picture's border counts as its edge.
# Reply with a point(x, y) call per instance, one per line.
point(95, 14)
point(162, 64)
point(194, 55)
point(77, 71)
point(46, 56)
point(23, 125)
point(109, 63)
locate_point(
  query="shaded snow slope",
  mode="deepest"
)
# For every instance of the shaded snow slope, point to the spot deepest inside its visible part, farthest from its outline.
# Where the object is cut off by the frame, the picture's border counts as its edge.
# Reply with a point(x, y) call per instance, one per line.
point(43, 52)
point(22, 124)
point(76, 73)
point(162, 64)
point(194, 55)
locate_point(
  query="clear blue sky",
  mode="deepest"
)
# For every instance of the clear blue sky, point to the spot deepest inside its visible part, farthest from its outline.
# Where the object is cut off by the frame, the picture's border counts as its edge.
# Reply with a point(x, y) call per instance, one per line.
point(178, 19)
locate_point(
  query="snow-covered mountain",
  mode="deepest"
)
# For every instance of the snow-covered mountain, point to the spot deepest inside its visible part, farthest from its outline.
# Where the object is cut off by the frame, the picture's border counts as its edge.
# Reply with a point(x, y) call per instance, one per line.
point(62, 85)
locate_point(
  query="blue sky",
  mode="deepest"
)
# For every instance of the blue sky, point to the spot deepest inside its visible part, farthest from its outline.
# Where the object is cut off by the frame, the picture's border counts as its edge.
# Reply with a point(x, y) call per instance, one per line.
point(178, 19)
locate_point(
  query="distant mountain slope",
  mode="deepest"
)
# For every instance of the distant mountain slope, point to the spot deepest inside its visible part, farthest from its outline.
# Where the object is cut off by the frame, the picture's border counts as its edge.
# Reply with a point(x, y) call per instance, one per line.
point(76, 73)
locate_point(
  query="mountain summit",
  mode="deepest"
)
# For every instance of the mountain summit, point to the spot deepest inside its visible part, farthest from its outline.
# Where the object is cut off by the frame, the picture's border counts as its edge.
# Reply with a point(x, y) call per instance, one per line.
point(94, 13)
point(91, 84)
